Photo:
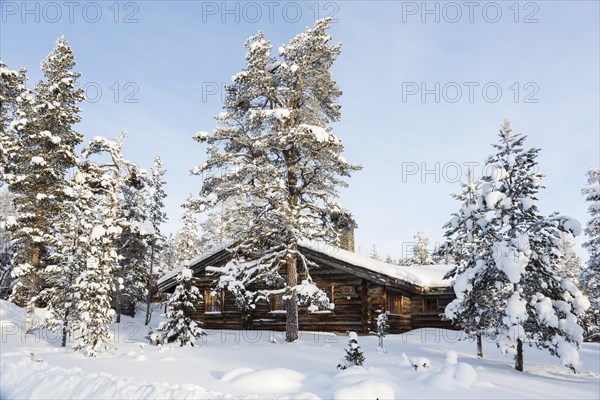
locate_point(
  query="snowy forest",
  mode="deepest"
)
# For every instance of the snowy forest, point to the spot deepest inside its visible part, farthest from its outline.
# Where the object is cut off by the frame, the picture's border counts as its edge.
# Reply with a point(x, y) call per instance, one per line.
point(83, 244)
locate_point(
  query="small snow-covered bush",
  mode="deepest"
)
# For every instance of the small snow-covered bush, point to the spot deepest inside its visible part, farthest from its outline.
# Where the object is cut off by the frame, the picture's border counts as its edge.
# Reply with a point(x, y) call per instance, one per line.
point(354, 355)
point(420, 363)
point(381, 330)
point(451, 358)
point(155, 338)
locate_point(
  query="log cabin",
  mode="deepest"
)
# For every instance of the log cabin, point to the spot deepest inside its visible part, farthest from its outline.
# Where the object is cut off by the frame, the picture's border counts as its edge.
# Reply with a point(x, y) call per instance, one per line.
point(359, 287)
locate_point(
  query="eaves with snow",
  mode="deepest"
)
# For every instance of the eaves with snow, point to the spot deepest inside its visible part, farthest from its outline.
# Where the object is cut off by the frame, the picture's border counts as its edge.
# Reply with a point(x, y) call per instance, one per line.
point(423, 276)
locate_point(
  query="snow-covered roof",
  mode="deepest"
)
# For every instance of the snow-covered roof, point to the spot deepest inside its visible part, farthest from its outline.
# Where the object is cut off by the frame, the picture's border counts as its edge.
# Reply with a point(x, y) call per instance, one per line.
point(420, 275)
point(202, 256)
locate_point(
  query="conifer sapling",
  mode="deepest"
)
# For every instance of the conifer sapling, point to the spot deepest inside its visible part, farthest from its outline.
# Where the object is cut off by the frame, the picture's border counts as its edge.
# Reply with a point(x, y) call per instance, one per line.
point(181, 328)
point(354, 355)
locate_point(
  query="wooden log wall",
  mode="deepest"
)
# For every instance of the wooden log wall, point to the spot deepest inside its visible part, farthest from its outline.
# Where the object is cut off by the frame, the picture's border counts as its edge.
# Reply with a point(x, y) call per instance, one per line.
point(358, 301)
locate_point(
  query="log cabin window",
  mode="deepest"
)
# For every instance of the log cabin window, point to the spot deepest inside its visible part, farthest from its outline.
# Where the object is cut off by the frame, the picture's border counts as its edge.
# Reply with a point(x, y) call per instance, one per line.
point(213, 301)
point(394, 303)
point(277, 303)
point(430, 304)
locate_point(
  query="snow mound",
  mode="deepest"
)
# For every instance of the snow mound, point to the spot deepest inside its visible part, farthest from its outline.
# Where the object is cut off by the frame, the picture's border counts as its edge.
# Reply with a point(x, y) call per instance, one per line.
point(363, 383)
point(451, 358)
point(420, 363)
point(39, 380)
point(276, 380)
point(365, 389)
point(234, 373)
point(10, 312)
point(459, 375)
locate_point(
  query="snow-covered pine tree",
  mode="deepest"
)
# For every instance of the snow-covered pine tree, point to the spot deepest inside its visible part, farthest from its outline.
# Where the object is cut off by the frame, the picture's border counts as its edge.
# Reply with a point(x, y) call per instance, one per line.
point(119, 174)
point(7, 216)
point(133, 246)
point(41, 152)
point(420, 253)
point(211, 232)
point(181, 328)
point(532, 301)
point(590, 276)
point(75, 226)
point(470, 244)
point(186, 242)
point(212, 228)
point(274, 146)
point(13, 93)
point(157, 240)
point(167, 255)
point(12, 86)
point(571, 264)
point(374, 254)
point(389, 259)
point(95, 283)
point(354, 355)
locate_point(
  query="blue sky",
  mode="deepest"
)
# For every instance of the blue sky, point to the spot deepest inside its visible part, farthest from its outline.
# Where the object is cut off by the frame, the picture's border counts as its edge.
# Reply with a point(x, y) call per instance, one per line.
point(152, 68)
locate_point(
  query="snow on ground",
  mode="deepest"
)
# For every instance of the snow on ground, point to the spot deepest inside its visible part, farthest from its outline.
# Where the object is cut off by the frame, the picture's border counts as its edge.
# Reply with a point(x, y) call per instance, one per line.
point(246, 364)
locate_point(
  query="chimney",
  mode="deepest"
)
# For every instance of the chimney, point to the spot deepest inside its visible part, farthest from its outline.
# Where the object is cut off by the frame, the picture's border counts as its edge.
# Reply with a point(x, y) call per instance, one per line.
point(347, 239)
point(345, 225)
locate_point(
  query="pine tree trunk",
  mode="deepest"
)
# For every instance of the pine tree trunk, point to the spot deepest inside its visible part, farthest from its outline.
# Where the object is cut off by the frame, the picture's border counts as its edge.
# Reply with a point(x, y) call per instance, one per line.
point(479, 347)
point(519, 356)
point(33, 278)
point(65, 329)
point(291, 320)
point(147, 321)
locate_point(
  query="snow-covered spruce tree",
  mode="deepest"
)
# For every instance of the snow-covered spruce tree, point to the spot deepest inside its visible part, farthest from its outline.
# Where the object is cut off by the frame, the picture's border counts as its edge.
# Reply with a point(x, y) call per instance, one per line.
point(40, 154)
point(167, 254)
point(374, 254)
point(590, 276)
point(120, 175)
point(469, 242)
point(133, 247)
point(95, 284)
point(157, 240)
point(532, 301)
point(186, 242)
point(13, 93)
point(571, 265)
point(273, 145)
point(420, 253)
point(7, 216)
point(181, 328)
point(75, 228)
point(354, 355)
